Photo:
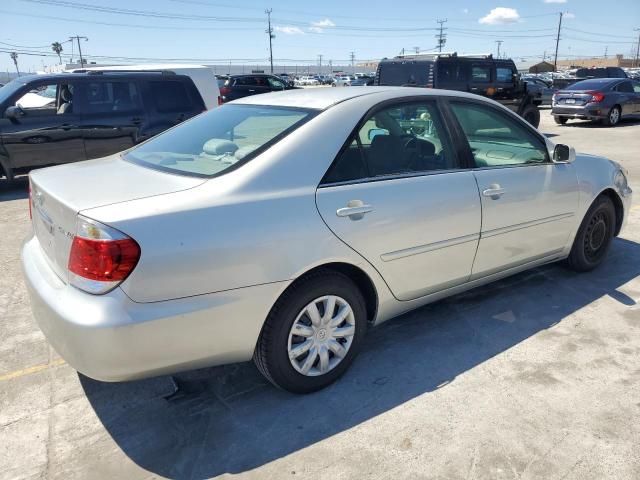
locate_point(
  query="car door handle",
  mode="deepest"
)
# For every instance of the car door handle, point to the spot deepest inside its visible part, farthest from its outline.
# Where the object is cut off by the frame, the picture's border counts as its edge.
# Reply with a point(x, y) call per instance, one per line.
point(494, 191)
point(252, 90)
point(355, 210)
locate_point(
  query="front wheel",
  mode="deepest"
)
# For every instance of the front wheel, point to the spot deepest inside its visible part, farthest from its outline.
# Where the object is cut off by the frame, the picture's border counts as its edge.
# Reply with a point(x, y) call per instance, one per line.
point(312, 333)
point(594, 236)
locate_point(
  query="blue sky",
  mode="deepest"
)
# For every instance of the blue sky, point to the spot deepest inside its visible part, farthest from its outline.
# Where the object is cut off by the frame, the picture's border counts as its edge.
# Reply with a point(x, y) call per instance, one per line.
point(211, 31)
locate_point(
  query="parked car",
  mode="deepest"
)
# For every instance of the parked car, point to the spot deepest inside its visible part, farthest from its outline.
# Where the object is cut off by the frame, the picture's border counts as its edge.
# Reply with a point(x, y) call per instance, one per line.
point(201, 253)
point(342, 81)
point(580, 74)
point(80, 116)
point(494, 78)
point(201, 75)
point(543, 86)
point(362, 81)
point(239, 86)
point(600, 99)
point(306, 81)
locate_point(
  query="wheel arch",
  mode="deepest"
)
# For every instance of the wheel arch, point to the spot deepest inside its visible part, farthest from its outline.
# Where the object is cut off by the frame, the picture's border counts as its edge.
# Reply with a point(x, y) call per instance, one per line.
point(618, 205)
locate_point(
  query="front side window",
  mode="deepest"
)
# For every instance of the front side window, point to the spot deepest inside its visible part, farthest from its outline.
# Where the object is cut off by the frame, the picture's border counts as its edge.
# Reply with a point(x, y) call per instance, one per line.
point(402, 139)
point(48, 99)
point(497, 140)
point(215, 141)
point(106, 97)
point(275, 84)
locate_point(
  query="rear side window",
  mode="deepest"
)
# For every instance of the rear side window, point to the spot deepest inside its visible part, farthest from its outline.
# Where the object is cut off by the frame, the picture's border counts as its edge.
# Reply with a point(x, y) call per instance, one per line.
point(170, 96)
point(246, 81)
point(504, 74)
point(404, 73)
point(452, 72)
point(625, 87)
point(480, 73)
point(214, 142)
point(103, 97)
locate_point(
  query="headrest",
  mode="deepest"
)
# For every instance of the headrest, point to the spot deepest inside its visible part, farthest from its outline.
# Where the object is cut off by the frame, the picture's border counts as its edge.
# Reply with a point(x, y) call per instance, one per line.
point(218, 146)
point(65, 94)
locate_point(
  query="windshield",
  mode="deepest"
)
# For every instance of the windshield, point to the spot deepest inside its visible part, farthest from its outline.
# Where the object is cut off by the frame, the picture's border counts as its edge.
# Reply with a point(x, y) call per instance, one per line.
point(219, 139)
point(9, 89)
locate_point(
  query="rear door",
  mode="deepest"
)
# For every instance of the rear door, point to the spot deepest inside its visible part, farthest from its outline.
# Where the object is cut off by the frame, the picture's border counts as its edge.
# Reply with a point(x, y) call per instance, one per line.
point(528, 203)
point(168, 102)
point(397, 195)
point(113, 117)
point(249, 85)
point(636, 90)
point(47, 133)
point(626, 97)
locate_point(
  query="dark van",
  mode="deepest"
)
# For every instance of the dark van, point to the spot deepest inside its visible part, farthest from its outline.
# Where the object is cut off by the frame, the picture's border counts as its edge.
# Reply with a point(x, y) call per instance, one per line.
point(61, 118)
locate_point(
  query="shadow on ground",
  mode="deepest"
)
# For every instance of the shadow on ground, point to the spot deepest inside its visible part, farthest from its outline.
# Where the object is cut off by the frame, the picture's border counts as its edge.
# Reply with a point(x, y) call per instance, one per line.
point(14, 190)
point(624, 122)
point(229, 420)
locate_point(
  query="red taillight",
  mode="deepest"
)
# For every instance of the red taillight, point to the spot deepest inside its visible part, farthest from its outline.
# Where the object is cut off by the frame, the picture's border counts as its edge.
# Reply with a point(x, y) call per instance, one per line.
point(101, 257)
point(220, 101)
point(224, 91)
point(103, 260)
point(596, 97)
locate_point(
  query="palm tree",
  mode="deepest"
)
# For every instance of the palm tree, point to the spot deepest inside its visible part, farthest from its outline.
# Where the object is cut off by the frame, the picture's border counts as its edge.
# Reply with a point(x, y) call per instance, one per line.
point(57, 47)
point(14, 57)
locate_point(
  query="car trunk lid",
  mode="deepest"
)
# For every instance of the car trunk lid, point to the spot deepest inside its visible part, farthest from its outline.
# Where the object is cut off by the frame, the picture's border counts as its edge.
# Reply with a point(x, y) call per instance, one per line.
point(58, 194)
point(577, 97)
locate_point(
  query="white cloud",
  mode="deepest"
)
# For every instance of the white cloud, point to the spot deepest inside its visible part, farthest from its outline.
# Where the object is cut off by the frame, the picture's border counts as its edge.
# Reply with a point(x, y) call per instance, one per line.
point(555, 1)
point(289, 30)
point(500, 15)
point(320, 25)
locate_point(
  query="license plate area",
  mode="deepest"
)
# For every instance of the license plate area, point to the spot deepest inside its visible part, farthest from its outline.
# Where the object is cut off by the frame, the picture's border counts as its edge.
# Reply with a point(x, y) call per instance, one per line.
point(570, 101)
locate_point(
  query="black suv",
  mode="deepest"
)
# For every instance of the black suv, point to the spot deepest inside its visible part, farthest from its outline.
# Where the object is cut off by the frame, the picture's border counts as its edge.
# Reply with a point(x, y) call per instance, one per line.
point(484, 75)
point(62, 118)
point(238, 86)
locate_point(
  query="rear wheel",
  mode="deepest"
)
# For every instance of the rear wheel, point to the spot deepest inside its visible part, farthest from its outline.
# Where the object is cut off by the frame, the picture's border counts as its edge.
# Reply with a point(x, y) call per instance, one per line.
point(560, 120)
point(313, 333)
point(613, 118)
point(532, 115)
point(594, 236)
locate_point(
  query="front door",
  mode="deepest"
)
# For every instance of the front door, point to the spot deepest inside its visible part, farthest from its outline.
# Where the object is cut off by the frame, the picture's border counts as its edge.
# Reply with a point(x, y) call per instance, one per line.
point(397, 196)
point(528, 203)
point(46, 130)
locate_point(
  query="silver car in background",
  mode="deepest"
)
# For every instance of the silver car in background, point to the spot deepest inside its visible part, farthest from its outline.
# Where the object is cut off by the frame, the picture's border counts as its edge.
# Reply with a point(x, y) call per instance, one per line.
point(279, 227)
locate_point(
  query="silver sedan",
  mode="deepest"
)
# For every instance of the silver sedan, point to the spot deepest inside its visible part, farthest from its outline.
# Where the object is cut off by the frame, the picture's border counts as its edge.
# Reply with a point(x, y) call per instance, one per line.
point(280, 227)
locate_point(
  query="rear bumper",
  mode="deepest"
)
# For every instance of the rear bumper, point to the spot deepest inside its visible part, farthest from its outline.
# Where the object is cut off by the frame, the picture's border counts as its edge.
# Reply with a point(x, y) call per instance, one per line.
point(111, 338)
point(584, 112)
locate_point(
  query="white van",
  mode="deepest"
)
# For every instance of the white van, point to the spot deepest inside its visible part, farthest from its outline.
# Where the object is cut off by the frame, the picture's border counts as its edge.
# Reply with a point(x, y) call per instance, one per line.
point(202, 76)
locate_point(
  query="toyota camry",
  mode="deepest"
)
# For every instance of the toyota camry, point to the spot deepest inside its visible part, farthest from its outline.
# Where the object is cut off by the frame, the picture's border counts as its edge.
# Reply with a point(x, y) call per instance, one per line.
point(280, 227)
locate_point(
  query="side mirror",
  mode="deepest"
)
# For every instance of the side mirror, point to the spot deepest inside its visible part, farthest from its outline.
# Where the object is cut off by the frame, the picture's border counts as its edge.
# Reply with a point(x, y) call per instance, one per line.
point(14, 113)
point(563, 154)
point(374, 132)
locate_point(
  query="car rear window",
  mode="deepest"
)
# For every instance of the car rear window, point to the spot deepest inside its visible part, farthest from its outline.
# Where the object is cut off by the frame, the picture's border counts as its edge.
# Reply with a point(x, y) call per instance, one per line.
point(589, 85)
point(219, 140)
point(404, 73)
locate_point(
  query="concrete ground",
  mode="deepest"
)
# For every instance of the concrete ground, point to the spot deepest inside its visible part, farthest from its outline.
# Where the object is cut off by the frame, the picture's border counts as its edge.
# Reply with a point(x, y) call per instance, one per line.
point(537, 376)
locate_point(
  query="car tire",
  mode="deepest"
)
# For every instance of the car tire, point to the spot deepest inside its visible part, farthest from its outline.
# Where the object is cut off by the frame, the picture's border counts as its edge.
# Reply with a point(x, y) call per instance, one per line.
point(532, 115)
point(560, 120)
point(275, 351)
point(613, 117)
point(594, 236)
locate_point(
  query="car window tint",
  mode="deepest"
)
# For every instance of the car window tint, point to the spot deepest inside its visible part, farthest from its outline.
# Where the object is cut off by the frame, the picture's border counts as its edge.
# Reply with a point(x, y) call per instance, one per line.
point(170, 96)
point(625, 87)
point(274, 83)
point(636, 87)
point(504, 74)
point(41, 97)
point(495, 139)
point(103, 97)
point(480, 73)
point(452, 72)
point(402, 139)
point(215, 141)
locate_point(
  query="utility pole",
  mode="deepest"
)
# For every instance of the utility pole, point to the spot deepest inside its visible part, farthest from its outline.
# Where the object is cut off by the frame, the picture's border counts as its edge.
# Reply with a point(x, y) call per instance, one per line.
point(330, 66)
point(555, 59)
point(442, 37)
point(637, 47)
point(320, 63)
point(499, 42)
point(78, 37)
point(14, 57)
point(352, 57)
point(606, 50)
point(417, 50)
point(271, 36)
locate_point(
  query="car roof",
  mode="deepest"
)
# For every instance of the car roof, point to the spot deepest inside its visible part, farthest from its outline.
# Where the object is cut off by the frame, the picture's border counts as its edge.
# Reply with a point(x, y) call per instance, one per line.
point(236, 75)
point(322, 98)
point(101, 74)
